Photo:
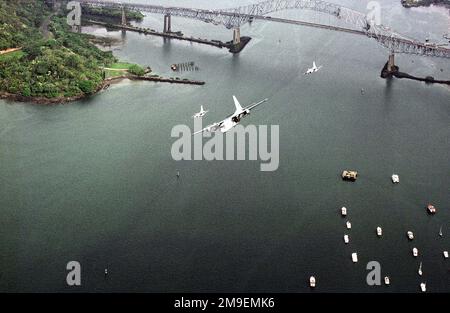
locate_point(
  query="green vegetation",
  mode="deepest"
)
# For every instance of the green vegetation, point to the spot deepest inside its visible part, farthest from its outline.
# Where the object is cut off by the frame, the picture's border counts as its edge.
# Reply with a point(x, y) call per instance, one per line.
point(65, 66)
point(18, 22)
point(136, 70)
point(113, 73)
point(112, 13)
point(12, 57)
point(122, 68)
point(54, 62)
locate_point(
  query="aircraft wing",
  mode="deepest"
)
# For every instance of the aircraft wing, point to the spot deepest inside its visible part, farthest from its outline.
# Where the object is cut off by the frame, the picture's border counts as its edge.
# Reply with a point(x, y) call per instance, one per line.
point(210, 128)
point(254, 105)
point(228, 123)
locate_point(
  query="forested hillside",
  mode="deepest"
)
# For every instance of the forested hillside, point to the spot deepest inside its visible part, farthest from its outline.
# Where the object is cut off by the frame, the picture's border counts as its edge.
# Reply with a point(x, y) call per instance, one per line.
point(53, 62)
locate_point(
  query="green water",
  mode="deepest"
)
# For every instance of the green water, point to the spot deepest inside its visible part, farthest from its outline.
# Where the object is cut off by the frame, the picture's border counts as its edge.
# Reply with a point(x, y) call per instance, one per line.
point(94, 181)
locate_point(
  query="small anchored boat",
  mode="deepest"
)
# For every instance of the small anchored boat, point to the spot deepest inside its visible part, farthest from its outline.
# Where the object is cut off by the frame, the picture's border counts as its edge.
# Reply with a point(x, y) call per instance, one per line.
point(346, 239)
point(431, 209)
point(415, 252)
point(423, 287)
point(349, 175)
point(344, 211)
point(395, 179)
point(354, 257)
point(349, 225)
point(387, 281)
point(446, 254)
point(379, 231)
point(420, 269)
point(312, 282)
point(410, 235)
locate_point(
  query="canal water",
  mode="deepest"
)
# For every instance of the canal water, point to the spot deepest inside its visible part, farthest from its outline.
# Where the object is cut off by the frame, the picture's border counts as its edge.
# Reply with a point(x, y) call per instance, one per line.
point(94, 181)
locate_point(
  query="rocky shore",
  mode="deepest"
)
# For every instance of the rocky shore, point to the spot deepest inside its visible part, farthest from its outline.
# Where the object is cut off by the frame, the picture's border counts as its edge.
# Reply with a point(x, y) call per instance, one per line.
point(420, 3)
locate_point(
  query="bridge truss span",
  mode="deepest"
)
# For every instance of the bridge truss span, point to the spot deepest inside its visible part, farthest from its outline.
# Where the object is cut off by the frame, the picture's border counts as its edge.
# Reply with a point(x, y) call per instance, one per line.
point(243, 14)
point(233, 18)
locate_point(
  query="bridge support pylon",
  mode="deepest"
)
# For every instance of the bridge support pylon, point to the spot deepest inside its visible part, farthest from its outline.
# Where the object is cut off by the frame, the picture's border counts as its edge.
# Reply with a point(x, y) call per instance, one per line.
point(167, 23)
point(391, 62)
point(236, 36)
point(124, 17)
point(390, 69)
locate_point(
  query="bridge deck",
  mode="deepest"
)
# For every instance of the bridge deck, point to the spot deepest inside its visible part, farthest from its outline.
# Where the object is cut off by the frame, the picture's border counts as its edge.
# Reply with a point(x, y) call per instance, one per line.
point(309, 24)
point(236, 17)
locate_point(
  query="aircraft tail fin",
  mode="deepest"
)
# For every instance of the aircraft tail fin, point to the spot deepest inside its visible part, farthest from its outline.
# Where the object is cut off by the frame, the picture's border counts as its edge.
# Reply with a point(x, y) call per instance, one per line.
point(314, 64)
point(237, 104)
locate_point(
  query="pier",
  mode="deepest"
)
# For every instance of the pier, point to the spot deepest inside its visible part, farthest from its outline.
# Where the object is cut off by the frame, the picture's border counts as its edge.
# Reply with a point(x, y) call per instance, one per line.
point(234, 46)
point(392, 70)
point(170, 80)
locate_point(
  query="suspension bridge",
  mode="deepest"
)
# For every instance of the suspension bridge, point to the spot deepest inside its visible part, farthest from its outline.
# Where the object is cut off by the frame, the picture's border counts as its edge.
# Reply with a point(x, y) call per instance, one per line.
point(354, 22)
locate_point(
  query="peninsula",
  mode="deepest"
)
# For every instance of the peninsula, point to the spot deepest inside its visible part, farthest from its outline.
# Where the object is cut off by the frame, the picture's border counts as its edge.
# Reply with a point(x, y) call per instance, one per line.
point(419, 3)
point(43, 61)
point(43, 58)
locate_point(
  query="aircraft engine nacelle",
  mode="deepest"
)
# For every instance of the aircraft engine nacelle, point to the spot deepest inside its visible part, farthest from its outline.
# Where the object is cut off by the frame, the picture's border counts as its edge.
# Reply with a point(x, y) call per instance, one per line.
point(237, 118)
point(244, 113)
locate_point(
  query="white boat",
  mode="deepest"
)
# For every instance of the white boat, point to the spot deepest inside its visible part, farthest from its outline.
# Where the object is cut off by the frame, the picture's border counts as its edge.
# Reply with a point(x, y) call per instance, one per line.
point(420, 269)
point(387, 281)
point(440, 232)
point(349, 225)
point(354, 257)
point(446, 254)
point(410, 235)
point(395, 179)
point(344, 211)
point(423, 287)
point(346, 239)
point(415, 252)
point(379, 231)
point(431, 209)
point(312, 282)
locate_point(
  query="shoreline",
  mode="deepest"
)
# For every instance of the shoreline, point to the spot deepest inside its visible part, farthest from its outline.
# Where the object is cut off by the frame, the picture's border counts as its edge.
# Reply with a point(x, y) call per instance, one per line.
point(396, 73)
point(423, 3)
point(103, 86)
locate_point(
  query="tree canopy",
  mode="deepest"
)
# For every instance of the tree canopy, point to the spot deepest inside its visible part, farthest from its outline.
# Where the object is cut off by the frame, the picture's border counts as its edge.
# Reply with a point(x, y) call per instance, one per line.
point(64, 65)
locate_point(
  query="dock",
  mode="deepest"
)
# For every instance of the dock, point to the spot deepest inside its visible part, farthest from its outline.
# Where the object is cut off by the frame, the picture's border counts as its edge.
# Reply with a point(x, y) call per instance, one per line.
point(156, 79)
point(395, 71)
point(178, 36)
